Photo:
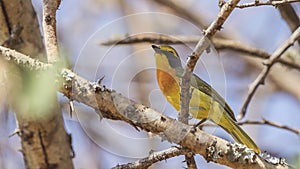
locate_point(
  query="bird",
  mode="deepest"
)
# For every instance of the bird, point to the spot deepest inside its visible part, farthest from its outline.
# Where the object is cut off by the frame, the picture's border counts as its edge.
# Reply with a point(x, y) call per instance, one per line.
point(205, 102)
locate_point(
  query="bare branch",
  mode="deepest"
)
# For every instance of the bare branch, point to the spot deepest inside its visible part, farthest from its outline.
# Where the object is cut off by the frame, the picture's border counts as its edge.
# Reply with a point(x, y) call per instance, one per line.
point(222, 44)
point(270, 2)
point(267, 122)
point(262, 122)
point(268, 64)
point(49, 27)
point(153, 158)
point(151, 38)
point(219, 44)
point(114, 106)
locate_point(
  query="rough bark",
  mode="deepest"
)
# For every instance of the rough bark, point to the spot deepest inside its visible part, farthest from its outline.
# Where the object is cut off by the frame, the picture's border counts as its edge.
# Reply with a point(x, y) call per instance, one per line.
point(45, 144)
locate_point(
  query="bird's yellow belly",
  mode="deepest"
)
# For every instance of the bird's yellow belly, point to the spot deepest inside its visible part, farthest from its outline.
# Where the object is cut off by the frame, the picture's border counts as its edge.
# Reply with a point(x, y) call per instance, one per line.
point(200, 104)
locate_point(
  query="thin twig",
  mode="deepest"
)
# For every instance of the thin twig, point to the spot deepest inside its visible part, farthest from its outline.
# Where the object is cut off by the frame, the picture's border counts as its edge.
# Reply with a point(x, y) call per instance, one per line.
point(267, 66)
point(270, 2)
point(49, 27)
point(219, 44)
point(267, 122)
point(153, 158)
point(262, 122)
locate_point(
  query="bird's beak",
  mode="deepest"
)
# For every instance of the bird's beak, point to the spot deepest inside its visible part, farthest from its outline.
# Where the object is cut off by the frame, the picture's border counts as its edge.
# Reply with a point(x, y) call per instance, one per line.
point(156, 48)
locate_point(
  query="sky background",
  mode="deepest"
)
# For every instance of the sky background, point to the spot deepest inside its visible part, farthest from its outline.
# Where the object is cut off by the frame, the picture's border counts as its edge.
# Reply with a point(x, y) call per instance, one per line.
point(130, 70)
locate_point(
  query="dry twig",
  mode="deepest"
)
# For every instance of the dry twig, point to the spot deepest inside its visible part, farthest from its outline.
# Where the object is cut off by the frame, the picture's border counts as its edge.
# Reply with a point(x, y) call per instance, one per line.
point(268, 64)
point(153, 158)
point(270, 2)
point(270, 123)
point(219, 44)
point(49, 27)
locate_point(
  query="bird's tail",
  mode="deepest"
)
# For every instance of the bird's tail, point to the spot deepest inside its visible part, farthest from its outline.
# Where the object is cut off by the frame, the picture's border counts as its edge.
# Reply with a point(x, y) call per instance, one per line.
point(237, 133)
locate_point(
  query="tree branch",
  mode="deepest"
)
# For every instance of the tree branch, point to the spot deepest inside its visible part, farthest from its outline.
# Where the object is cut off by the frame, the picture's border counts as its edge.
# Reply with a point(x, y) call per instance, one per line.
point(49, 27)
point(262, 122)
point(153, 158)
point(114, 106)
point(219, 44)
point(268, 64)
point(270, 123)
point(270, 2)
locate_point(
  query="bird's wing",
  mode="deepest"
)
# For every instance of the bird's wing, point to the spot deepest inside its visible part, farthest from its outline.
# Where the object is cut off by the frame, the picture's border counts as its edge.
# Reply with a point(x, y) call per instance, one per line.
point(201, 85)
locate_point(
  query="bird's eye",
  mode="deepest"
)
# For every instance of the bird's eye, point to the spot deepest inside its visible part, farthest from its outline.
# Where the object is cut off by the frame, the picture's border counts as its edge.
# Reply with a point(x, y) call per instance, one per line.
point(171, 51)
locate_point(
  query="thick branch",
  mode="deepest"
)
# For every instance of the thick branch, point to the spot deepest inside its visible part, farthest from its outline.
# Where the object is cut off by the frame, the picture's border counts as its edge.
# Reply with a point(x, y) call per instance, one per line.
point(114, 106)
point(268, 64)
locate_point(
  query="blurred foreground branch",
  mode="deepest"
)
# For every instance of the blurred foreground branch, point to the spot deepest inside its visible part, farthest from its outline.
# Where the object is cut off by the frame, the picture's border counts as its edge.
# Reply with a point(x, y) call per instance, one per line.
point(114, 106)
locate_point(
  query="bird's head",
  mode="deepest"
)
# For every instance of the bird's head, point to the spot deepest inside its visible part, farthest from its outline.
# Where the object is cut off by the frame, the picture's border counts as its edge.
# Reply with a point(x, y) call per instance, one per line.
point(166, 57)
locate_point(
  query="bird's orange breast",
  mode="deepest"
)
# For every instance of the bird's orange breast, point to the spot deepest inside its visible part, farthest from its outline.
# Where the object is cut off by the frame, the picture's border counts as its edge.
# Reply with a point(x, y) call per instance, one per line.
point(169, 86)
